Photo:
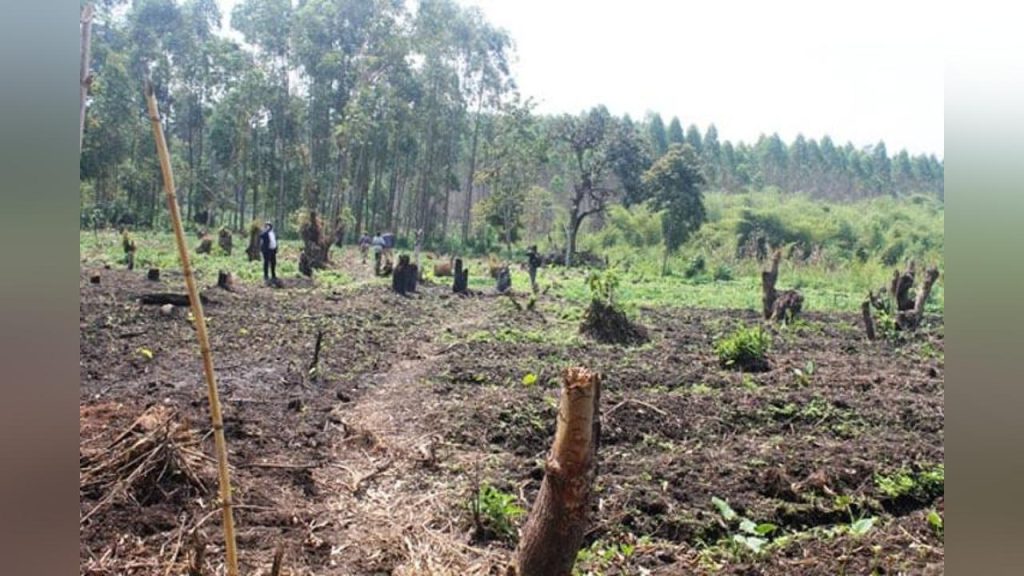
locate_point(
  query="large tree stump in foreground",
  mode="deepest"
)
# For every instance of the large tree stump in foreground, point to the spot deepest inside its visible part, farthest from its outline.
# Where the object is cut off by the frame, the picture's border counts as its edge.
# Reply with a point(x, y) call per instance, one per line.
point(554, 531)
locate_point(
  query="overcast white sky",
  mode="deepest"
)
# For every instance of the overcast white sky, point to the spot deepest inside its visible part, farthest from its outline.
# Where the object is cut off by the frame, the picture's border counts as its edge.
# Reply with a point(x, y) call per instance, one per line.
point(859, 71)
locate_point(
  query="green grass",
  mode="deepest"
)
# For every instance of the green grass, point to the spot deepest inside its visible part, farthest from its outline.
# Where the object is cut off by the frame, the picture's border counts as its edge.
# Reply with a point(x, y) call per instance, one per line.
point(158, 250)
point(852, 244)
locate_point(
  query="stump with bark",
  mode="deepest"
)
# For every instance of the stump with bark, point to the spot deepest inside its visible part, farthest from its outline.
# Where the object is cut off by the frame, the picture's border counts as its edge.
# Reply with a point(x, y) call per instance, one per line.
point(205, 245)
point(787, 305)
point(504, 280)
point(153, 274)
point(253, 250)
point(460, 285)
point(911, 319)
point(305, 264)
point(558, 519)
point(899, 306)
point(315, 244)
point(225, 241)
point(779, 306)
point(403, 278)
point(225, 281)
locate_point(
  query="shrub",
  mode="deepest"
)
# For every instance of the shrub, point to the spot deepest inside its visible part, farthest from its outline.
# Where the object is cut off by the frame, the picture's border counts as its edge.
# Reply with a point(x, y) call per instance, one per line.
point(495, 512)
point(696, 267)
point(746, 349)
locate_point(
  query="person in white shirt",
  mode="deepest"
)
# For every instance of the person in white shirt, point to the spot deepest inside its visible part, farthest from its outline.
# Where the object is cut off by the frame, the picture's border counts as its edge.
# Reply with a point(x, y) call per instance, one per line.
point(378, 249)
point(268, 246)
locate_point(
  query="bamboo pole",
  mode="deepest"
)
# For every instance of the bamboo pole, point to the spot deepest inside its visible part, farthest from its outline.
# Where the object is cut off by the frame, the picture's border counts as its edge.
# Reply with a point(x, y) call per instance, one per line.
point(204, 341)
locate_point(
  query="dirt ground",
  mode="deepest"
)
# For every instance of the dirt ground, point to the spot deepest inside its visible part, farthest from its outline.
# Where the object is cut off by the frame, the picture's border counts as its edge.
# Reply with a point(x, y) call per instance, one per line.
point(367, 464)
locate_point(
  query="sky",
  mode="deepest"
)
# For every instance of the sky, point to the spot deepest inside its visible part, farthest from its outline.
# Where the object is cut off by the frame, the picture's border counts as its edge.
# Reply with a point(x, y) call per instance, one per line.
point(859, 72)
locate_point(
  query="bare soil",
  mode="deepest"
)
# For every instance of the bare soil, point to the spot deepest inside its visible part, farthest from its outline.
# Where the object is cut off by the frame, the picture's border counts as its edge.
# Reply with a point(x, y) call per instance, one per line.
point(367, 464)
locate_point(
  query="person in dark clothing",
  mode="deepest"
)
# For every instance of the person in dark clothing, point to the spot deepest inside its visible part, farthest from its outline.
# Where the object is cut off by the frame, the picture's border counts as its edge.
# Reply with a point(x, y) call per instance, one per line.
point(534, 262)
point(268, 247)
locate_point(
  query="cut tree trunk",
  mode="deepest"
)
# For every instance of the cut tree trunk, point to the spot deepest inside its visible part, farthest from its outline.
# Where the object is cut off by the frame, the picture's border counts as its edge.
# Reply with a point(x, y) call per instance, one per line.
point(253, 250)
point(403, 278)
point(558, 520)
point(225, 241)
point(768, 279)
point(205, 245)
point(461, 281)
point(911, 319)
point(225, 281)
point(786, 306)
point(153, 274)
point(900, 288)
point(869, 322)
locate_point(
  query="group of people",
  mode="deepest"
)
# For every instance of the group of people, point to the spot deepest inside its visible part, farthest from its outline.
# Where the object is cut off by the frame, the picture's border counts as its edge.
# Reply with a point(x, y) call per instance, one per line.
point(382, 246)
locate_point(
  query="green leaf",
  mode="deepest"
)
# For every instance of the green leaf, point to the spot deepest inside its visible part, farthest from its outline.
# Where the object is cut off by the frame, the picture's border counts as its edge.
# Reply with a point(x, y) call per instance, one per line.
point(935, 520)
point(530, 379)
point(765, 529)
point(752, 543)
point(724, 509)
point(862, 526)
point(146, 353)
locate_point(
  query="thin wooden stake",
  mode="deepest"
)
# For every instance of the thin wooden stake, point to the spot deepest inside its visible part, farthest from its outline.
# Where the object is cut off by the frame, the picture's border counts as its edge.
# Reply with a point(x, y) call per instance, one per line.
point(204, 341)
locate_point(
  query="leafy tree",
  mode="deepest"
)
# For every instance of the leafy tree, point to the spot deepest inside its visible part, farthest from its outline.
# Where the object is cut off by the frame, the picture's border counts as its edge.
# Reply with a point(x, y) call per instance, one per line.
point(674, 184)
point(606, 159)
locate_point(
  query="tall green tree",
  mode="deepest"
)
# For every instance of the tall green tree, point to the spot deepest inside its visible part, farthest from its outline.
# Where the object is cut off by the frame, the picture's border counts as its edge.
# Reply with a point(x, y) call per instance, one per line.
point(656, 135)
point(674, 184)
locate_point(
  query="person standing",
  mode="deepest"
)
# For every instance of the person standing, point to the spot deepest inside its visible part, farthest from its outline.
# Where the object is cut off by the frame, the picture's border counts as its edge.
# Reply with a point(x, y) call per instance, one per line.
point(268, 247)
point(533, 263)
point(364, 245)
point(378, 249)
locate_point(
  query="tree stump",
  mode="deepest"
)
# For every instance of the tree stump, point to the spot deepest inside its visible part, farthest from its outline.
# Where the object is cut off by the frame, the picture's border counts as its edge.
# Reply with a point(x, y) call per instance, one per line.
point(225, 241)
point(205, 245)
point(787, 305)
point(768, 279)
point(775, 305)
point(225, 281)
point(460, 285)
point(558, 519)
point(305, 264)
point(94, 279)
point(900, 287)
point(403, 278)
point(911, 319)
point(504, 280)
point(153, 274)
point(869, 322)
point(253, 250)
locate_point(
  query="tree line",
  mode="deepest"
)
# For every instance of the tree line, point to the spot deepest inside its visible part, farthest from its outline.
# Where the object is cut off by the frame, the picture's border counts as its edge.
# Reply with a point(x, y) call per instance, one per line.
point(370, 116)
